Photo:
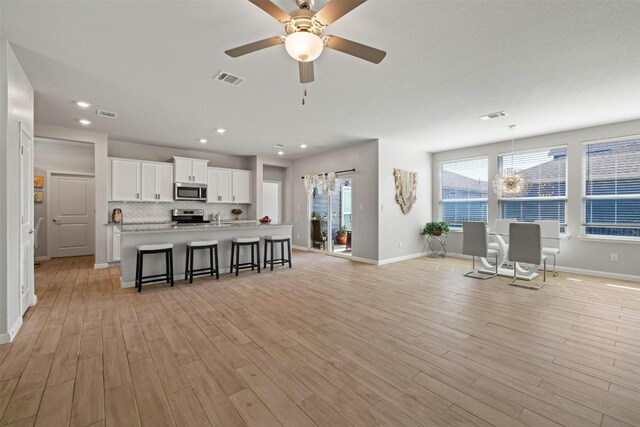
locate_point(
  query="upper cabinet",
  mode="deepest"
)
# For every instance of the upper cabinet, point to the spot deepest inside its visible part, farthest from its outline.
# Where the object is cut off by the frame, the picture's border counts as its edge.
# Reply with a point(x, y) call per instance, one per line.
point(125, 180)
point(228, 186)
point(241, 185)
point(190, 170)
point(136, 181)
point(156, 182)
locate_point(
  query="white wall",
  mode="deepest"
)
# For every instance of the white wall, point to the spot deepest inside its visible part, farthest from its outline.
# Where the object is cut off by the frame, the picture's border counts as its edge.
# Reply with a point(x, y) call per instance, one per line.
point(260, 165)
point(58, 156)
point(131, 150)
point(577, 252)
point(364, 158)
point(99, 141)
point(399, 234)
point(16, 106)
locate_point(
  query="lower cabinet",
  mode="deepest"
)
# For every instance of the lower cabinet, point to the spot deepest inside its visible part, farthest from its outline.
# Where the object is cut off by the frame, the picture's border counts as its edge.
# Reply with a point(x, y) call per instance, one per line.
point(113, 244)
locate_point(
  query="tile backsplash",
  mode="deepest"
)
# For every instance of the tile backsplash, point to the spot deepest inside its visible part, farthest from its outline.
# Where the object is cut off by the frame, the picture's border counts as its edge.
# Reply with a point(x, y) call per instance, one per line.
point(160, 212)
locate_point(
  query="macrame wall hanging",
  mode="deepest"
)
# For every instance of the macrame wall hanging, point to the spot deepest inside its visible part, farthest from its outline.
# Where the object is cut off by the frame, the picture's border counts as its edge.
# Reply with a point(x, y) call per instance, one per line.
point(406, 185)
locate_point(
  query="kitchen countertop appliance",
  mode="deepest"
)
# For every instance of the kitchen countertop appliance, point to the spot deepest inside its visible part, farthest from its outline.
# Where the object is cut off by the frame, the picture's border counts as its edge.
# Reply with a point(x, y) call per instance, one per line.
point(190, 191)
point(188, 216)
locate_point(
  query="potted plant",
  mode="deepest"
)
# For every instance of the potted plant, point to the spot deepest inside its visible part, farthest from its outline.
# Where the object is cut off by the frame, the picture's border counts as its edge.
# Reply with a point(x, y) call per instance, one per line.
point(316, 215)
point(341, 236)
point(435, 228)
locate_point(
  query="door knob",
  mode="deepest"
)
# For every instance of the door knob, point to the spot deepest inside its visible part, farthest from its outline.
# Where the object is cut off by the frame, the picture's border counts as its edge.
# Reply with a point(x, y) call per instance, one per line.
point(55, 220)
point(31, 231)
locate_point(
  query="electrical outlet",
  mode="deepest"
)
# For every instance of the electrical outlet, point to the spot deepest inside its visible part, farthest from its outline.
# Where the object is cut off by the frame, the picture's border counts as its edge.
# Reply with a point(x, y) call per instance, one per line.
point(381, 207)
point(400, 245)
point(614, 257)
point(297, 237)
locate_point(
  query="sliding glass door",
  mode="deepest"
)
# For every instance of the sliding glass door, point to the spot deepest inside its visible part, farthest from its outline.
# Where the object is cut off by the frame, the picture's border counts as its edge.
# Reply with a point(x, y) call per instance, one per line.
point(332, 218)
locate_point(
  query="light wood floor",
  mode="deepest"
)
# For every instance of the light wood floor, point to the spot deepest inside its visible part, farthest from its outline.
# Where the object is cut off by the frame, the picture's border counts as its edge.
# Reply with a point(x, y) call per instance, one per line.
point(328, 342)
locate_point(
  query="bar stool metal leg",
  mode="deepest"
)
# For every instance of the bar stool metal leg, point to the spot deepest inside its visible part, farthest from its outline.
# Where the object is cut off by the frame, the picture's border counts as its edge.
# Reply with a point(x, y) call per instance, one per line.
point(233, 246)
point(171, 265)
point(289, 251)
point(265, 253)
point(191, 265)
point(258, 253)
point(186, 264)
point(140, 276)
point(215, 248)
point(237, 260)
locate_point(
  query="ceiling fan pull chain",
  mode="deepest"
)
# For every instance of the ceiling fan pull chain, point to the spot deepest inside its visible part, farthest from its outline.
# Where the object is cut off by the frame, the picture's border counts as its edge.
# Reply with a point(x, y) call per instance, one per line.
point(304, 95)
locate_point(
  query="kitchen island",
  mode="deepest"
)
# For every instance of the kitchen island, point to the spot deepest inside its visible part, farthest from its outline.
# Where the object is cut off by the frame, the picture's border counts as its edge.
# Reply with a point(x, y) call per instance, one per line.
point(148, 234)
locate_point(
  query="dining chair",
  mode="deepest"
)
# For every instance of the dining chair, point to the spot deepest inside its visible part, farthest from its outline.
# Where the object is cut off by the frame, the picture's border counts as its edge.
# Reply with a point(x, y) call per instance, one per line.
point(551, 236)
point(475, 243)
point(526, 247)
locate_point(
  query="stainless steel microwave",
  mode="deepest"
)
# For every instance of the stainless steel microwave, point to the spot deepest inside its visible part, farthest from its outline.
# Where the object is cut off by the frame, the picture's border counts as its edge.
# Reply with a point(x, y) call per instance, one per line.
point(186, 191)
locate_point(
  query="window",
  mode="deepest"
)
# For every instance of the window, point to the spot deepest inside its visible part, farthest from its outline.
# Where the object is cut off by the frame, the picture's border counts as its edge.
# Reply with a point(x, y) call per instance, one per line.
point(612, 188)
point(463, 193)
point(546, 198)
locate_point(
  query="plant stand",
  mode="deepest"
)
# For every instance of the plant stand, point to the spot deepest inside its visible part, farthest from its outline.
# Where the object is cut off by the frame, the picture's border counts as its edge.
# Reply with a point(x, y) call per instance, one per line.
point(437, 246)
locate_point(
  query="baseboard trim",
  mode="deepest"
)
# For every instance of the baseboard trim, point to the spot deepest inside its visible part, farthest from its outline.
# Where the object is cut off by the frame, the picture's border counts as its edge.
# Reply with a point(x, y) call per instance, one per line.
point(100, 266)
point(363, 260)
point(402, 258)
point(7, 337)
point(300, 248)
point(595, 273)
point(42, 258)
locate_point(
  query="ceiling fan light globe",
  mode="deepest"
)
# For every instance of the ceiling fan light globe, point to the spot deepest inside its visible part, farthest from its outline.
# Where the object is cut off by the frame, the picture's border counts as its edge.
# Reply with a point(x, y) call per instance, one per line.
point(303, 46)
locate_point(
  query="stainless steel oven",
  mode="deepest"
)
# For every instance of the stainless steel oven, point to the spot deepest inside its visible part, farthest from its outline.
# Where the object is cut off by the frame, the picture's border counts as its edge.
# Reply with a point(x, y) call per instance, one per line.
point(185, 191)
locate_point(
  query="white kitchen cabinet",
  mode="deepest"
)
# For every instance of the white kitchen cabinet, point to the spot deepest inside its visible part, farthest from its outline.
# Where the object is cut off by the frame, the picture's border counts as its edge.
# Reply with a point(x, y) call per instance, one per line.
point(218, 185)
point(199, 171)
point(190, 170)
point(113, 244)
point(241, 185)
point(125, 180)
point(228, 186)
point(156, 182)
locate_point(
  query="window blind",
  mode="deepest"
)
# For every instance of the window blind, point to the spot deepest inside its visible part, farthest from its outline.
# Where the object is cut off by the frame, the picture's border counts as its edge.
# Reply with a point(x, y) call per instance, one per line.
point(464, 187)
point(612, 188)
point(546, 198)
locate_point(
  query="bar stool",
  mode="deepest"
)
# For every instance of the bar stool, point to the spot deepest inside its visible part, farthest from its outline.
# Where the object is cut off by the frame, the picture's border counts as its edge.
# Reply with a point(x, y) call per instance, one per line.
point(236, 244)
point(189, 272)
point(270, 240)
point(163, 248)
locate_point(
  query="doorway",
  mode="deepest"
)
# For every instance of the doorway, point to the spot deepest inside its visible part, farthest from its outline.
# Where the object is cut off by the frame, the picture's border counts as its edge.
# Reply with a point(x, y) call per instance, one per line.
point(71, 215)
point(272, 200)
point(332, 218)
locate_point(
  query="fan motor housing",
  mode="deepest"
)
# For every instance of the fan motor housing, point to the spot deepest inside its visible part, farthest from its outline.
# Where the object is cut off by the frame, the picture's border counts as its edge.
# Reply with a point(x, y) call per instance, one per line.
point(303, 21)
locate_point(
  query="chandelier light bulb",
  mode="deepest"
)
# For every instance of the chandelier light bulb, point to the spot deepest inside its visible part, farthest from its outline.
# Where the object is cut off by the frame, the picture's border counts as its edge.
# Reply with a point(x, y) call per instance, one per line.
point(303, 46)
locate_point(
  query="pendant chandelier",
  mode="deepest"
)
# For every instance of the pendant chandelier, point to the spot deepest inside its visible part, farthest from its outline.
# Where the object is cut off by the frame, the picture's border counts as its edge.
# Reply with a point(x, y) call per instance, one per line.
point(511, 182)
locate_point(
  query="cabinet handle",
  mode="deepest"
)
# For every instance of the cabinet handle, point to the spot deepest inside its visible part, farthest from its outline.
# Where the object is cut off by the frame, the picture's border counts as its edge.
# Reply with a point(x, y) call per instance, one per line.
point(137, 195)
point(234, 198)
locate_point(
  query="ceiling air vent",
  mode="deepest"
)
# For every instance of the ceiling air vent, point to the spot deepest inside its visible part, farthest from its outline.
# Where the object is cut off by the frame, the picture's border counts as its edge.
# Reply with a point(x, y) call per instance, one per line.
point(493, 115)
point(107, 114)
point(229, 78)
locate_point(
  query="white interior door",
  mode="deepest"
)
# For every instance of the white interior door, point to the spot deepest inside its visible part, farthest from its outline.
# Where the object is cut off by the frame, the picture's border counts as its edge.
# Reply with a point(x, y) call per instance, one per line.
point(271, 200)
point(72, 216)
point(26, 219)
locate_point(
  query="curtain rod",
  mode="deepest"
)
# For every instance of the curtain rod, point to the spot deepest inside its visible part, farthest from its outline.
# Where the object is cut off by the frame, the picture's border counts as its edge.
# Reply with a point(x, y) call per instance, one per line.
point(336, 172)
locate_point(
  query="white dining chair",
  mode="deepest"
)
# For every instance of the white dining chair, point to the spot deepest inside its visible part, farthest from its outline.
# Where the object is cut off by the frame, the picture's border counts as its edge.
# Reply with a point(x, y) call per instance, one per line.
point(551, 240)
point(475, 243)
point(526, 247)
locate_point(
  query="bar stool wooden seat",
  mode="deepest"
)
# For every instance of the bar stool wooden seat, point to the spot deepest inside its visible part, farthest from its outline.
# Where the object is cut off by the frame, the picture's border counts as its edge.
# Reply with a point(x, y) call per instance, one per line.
point(268, 242)
point(236, 244)
point(189, 272)
point(162, 248)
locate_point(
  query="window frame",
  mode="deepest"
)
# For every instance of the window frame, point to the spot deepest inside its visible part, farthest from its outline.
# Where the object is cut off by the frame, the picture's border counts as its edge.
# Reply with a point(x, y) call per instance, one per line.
point(500, 199)
point(585, 198)
point(440, 182)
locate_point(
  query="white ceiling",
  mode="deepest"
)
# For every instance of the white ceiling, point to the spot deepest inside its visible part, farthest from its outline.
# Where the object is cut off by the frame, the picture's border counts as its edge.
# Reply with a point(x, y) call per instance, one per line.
point(551, 65)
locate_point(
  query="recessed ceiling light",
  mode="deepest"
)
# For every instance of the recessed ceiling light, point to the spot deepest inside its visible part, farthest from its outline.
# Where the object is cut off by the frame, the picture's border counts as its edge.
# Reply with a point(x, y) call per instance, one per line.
point(85, 122)
point(203, 141)
point(278, 145)
point(83, 104)
point(280, 153)
point(221, 130)
point(303, 145)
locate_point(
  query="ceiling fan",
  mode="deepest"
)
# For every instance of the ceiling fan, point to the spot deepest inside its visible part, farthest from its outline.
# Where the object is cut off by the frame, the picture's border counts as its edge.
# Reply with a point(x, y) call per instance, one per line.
point(304, 29)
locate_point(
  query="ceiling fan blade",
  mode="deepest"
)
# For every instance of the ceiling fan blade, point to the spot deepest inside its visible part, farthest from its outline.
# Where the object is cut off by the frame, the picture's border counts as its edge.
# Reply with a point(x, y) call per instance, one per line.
point(306, 72)
point(252, 47)
point(335, 10)
point(272, 10)
point(349, 47)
